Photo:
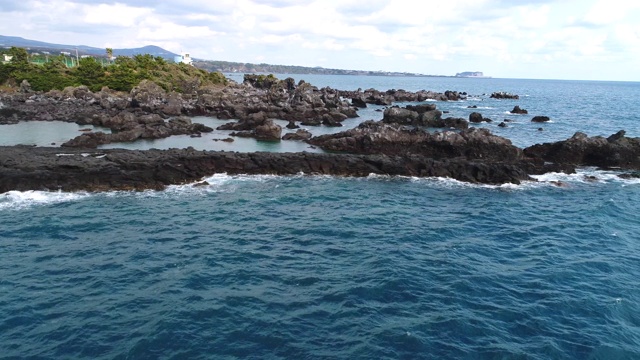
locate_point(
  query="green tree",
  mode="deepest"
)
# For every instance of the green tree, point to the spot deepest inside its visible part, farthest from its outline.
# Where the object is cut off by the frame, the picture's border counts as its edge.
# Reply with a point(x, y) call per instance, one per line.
point(161, 61)
point(125, 61)
point(90, 73)
point(20, 56)
point(146, 62)
point(5, 72)
point(109, 54)
point(121, 78)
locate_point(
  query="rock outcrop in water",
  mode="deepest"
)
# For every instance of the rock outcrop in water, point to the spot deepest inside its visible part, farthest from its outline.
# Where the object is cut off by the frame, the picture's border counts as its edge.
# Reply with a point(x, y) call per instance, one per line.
point(372, 137)
point(540, 119)
point(472, 155)
point(377, 97)
point(27, 168)
point(615, 151)
point(517, 110)
point(425, 115)
point(504, 95)
point(127, 127)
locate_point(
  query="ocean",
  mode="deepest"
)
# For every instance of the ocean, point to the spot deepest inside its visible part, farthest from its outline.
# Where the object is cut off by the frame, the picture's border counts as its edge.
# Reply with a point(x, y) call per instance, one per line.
point(318, 267)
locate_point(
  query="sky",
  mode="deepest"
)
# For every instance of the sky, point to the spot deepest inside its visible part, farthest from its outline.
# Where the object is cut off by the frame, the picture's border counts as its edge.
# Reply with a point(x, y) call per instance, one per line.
point(544, 39)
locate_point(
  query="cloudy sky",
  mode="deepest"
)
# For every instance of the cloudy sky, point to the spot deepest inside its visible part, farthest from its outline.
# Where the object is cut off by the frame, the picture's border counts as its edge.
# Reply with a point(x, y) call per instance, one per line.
point(543, 39)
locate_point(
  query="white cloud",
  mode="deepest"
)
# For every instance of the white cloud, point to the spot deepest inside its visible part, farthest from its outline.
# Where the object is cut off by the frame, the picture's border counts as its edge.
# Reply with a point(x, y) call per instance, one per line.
point(605, 12)
point(499, 37)
point(153, 29)
point(115, 15)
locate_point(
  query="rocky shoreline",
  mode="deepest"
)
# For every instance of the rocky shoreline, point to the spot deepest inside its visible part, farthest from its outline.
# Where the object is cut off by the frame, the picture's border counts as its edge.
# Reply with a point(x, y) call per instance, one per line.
point(25, 168)
point(44, 168)
point(397, 145)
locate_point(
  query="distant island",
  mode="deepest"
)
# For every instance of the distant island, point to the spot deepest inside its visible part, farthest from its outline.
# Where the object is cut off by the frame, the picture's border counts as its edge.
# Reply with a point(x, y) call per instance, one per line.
point(472, 74)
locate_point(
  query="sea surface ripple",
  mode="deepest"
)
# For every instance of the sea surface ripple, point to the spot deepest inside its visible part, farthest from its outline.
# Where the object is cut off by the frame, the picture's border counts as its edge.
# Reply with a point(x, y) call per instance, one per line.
point(298, 267)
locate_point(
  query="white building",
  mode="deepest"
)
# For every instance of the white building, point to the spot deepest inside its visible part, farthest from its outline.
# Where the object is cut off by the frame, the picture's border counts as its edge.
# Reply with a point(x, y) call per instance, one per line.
point(184, 58)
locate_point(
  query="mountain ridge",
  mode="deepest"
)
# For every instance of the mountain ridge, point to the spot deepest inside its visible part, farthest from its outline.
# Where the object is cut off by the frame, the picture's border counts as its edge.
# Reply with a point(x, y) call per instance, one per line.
point(8, 41)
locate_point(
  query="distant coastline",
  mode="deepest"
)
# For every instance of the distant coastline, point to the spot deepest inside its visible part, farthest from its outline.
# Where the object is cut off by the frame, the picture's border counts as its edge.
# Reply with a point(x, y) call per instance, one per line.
point(39, 48)
point(248, 68)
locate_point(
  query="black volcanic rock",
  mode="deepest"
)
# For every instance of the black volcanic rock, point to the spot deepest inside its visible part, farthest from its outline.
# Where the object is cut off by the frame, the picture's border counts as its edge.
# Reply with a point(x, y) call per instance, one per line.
point(517, 110)
point(581, 150)
point(377, 137)
point(539, 119)
point(300, 134)
point(421, 115)
point(403, 116)
point(453, 123)
point(128, 127)
point(359, 102)
point(475, 117)
point(268, 131)
point(26, 168)
point(504, 95)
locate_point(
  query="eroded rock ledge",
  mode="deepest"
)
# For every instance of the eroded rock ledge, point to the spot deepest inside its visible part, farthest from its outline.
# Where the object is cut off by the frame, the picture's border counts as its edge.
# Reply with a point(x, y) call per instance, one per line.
point(28, 168)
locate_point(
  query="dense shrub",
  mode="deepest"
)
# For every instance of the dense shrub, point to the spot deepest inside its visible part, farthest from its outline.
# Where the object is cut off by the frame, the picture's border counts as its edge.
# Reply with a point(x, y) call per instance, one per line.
point(122, 75)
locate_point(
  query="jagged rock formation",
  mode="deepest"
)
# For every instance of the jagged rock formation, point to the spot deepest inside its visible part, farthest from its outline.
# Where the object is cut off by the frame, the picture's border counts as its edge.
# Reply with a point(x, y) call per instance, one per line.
point(372, 137)
point(615, 151)
point(504, 95)
point(421, 115)
point(26, 168)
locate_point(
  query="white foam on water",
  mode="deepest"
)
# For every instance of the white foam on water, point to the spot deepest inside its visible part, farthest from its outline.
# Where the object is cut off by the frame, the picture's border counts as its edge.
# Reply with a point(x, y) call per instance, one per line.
point(449, 183)
point(96, 155)
point(375, 176)
point(587, 175)
point(559, 177)
point(17, 200)
point(216, 183)
point(476, 108)
point(229, 183)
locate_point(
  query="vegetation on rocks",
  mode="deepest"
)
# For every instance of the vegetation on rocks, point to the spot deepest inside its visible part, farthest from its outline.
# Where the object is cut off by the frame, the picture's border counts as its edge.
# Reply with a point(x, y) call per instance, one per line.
point(123, 74)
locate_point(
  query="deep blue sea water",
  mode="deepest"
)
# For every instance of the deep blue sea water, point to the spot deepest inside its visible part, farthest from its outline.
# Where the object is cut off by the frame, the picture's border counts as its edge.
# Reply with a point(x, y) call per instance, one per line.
point(307, 267)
